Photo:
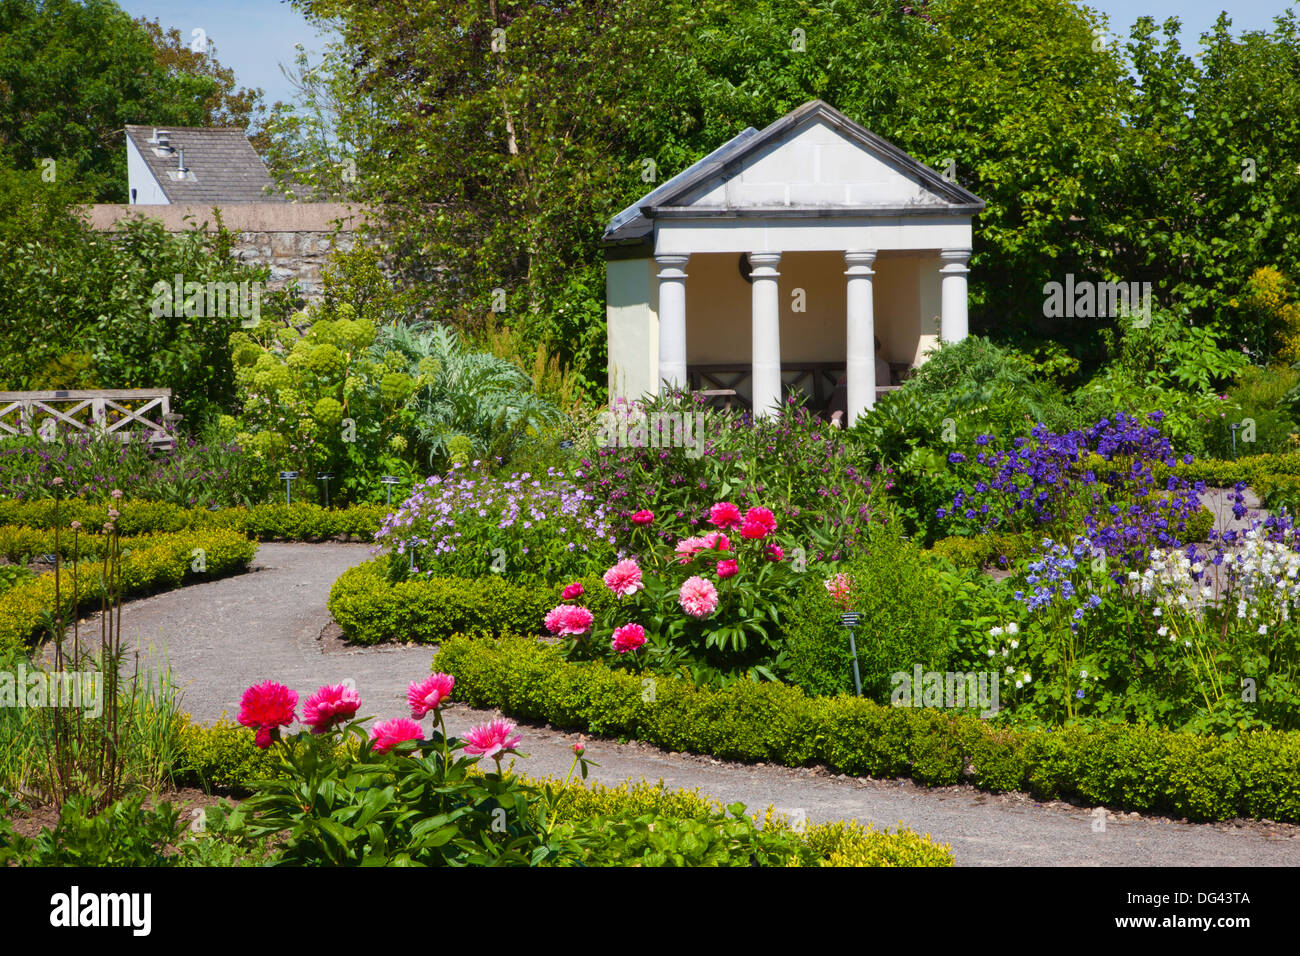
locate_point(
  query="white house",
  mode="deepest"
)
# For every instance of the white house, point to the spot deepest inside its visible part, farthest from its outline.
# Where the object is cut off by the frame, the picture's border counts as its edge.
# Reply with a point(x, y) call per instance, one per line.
point(193, 165)
point(779, 258)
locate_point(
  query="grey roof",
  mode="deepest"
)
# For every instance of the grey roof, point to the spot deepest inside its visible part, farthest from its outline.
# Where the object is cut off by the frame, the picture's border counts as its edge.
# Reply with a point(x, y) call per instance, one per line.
point(224, 166)
point(633, 224)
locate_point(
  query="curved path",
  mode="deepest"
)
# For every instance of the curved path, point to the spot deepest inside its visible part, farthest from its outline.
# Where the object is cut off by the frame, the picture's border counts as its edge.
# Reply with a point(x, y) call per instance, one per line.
point(223, 636)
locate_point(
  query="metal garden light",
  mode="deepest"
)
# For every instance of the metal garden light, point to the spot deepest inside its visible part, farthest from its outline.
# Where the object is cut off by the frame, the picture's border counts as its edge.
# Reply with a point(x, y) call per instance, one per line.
point(849, 619)
point(389, 480)
point(288, 478)
point(325, 476)
point(1234, 426)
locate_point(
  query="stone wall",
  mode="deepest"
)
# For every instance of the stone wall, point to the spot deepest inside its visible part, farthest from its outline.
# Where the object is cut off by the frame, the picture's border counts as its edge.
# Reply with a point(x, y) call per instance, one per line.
point(293, 239)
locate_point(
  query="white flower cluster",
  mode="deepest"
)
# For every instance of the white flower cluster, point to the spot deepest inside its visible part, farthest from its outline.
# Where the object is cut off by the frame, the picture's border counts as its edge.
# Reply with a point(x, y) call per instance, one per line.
point(1010, 630)
point(1260, 575)
point(1170, 581)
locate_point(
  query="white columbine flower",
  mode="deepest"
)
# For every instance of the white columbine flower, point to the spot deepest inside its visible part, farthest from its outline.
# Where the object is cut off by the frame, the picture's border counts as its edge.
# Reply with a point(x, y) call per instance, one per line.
point(1013, 628)
point(1263, 629)
point(1083, 675)
point(995, 632)
point(1163, 630)
point(1014, 645)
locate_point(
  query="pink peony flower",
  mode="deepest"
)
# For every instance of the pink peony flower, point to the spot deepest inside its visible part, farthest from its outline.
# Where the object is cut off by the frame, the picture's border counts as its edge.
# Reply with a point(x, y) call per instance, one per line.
point(688, 548)
point(729, 568)
point(759, 522)
point(572, 591)
point(578, 748)
point(330, 706)
point(762, 516)
point(491, 739)
point(773, 552)
point(428, 694)
point(628, 638)
point(698, 597)
point(392, 732)
point(644, 516)
point(839, 587)
point(265, 707)
point(568, 619)
point(724, 515)
point(624, 578)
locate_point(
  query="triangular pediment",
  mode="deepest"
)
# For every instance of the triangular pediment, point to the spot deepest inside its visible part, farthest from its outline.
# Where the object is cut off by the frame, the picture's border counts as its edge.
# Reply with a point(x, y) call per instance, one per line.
point(813, 161)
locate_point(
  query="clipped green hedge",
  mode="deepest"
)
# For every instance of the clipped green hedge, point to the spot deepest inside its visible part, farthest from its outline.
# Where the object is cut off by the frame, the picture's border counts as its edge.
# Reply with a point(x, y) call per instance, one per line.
point(153, 564)
point(225, 757)
point(1219, 473)
point(371, 609)
point(985, 549)
point(1122, 766)
point(297, 522)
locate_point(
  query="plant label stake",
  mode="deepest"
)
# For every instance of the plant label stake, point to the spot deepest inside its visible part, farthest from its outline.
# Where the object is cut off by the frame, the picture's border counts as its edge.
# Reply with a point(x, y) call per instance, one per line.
point(325, 476)
point(849, 619)
point(287, 477)
point(389, 481)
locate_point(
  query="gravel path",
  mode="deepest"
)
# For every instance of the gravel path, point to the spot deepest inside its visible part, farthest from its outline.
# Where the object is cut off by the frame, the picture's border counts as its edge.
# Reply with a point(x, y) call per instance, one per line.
point(222, 636)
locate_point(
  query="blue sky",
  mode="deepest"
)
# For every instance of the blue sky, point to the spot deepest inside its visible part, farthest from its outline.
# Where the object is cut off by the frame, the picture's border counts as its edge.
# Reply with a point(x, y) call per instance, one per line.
point(254, 36)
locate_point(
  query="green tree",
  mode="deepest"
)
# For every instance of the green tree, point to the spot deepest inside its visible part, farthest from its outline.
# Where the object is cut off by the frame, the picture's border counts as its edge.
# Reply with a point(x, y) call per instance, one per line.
point(73, 73)
point(77, 306)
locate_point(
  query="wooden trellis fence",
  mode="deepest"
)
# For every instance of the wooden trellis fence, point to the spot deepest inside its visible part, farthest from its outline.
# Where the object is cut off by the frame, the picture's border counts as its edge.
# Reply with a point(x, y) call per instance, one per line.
point(50, 413)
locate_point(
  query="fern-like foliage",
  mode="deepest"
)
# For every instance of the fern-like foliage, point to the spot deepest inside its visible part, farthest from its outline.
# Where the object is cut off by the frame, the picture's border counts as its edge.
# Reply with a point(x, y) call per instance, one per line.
point(486, 399)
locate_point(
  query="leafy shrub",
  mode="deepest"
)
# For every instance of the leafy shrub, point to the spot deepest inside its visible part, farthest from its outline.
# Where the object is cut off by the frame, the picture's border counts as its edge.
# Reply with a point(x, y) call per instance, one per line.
point(816, 645)
point(124, 834)
point(11, 574)
point(1258, 775)
point(223, 756)
point(1169, 365)
point(982, 550)
point(78, 307)
point(902, 620)
point(792, 462)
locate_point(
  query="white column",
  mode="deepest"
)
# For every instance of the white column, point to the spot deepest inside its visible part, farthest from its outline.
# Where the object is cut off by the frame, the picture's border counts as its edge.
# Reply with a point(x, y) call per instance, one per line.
point(954, 324)
point(672, 320)
point(765, 354)
point(861, 332)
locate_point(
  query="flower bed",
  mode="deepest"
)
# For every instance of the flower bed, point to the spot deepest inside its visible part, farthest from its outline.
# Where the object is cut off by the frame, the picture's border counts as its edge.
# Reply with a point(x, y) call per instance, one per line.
point(399, 794)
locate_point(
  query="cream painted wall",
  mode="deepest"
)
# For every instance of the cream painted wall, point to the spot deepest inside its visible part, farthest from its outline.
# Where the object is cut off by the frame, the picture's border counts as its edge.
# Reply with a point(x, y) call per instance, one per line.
point(632, 297)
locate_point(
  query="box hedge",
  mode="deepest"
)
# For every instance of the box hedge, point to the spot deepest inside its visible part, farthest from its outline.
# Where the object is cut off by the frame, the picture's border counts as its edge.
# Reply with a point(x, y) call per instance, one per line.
point(425, 610)
point(1123, 766)
point(301, 521)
